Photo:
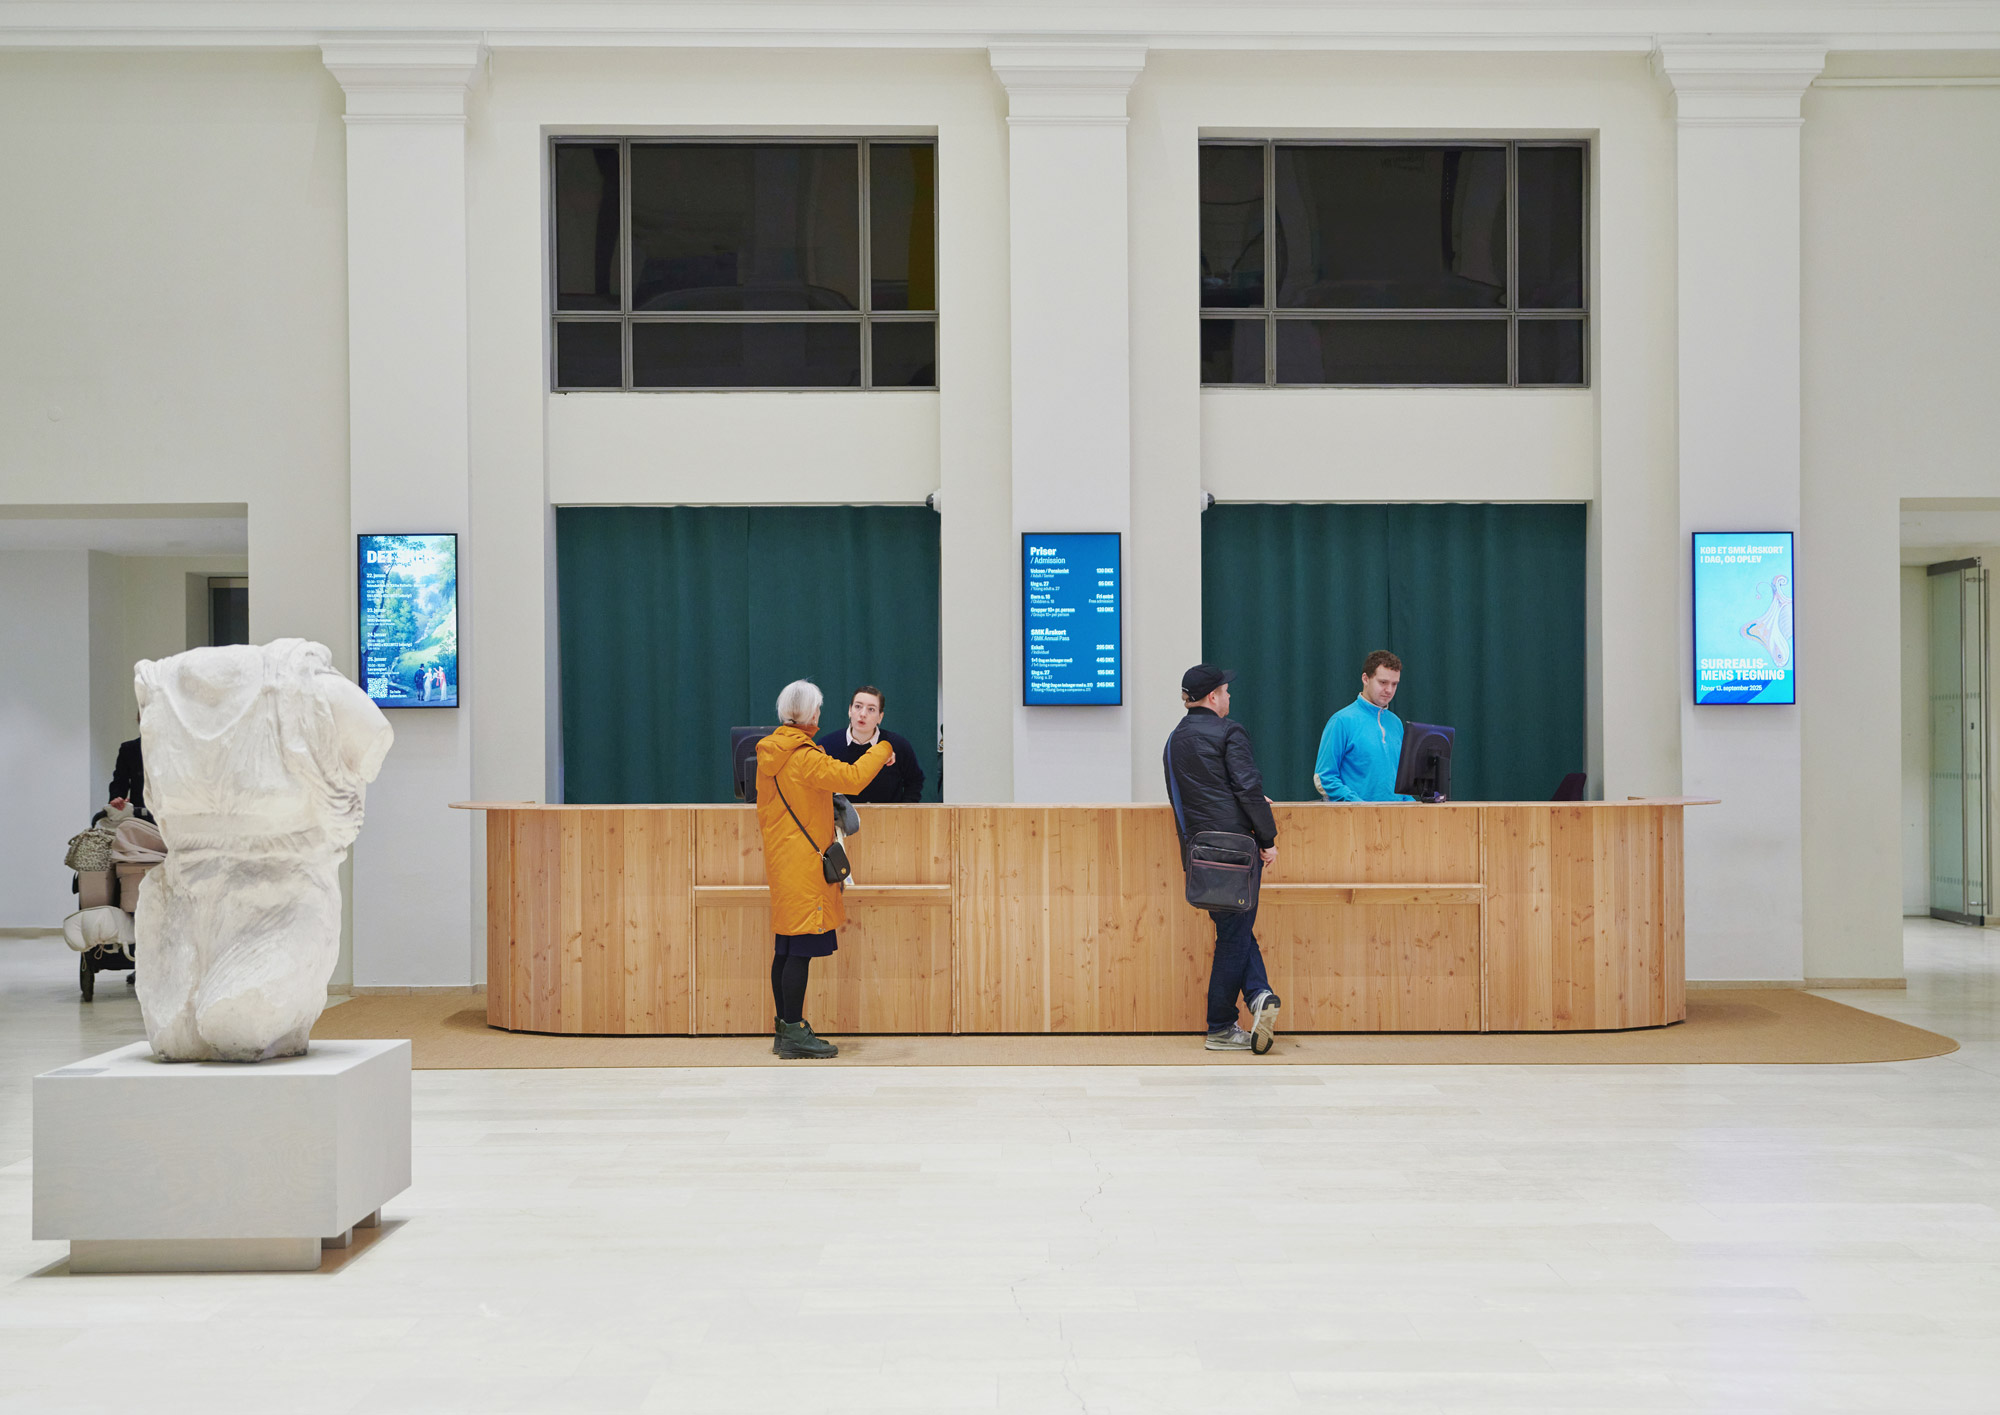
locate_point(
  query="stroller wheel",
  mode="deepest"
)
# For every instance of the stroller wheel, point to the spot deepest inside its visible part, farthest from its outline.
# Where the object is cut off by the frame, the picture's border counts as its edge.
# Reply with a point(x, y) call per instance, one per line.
point(86, 977)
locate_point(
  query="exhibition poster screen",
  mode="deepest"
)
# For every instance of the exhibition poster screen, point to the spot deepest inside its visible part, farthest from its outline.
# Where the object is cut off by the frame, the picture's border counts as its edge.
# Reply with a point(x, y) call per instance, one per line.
point(409, 620)
point(1743, 618)
point(1072, 641)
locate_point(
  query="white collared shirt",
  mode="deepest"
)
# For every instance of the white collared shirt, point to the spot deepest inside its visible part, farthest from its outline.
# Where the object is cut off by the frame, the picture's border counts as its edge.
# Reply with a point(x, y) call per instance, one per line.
point(854, 741)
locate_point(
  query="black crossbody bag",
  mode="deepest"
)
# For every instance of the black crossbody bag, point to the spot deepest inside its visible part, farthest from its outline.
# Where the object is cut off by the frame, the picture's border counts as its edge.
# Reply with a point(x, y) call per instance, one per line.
point(832, 860)
point(1221, 865)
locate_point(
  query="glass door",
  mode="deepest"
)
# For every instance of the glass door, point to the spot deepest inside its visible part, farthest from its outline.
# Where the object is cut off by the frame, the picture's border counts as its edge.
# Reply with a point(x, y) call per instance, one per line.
point(1958, 741)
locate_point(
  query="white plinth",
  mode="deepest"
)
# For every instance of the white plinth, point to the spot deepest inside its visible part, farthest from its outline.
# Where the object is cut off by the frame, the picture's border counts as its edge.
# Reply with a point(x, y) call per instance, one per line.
point(151, 1166)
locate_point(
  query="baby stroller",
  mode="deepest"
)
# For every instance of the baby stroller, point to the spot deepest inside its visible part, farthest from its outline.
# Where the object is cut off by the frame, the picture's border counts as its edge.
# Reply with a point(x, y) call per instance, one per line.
point(111, 861)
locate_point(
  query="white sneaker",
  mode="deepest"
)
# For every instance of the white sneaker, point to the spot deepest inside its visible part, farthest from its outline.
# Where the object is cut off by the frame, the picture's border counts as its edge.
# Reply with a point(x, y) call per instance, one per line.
point(1235, 1039)
point(1263, 1022)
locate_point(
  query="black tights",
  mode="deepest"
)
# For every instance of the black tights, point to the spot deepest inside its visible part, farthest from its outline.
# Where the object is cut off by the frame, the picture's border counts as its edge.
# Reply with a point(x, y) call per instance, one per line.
point(788, 987)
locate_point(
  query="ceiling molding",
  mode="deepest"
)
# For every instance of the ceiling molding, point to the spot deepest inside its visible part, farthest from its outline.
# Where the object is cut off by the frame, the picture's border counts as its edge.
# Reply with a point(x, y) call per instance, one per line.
point(1614, 26)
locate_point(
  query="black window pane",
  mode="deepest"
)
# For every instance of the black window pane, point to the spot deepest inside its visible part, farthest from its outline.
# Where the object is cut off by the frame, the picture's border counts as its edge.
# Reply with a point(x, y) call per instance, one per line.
point(586, 198)
point(587, 355)
point(748, 226)
point(1551, 351)
point(1232, 351)
point(905, 355)
point(746, 355)
point(1391, 351)
point(1551, 266)
point(1232, 227)
point(902, 226)
point(1392, 227)
point(228, 614)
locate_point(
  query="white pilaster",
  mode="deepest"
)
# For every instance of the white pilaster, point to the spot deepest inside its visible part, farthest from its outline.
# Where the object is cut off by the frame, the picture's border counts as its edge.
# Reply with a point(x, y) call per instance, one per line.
point(1738, 118)
point(409, 471)
point(1069, 281)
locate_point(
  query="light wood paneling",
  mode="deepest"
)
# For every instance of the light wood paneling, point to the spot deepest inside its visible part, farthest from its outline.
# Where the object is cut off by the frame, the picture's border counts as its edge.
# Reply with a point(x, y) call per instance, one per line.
point(1071, 919)
point(1583, 924)
point(1376, 845)
point(589, 922)
point(892, 972)
point(1373, 967)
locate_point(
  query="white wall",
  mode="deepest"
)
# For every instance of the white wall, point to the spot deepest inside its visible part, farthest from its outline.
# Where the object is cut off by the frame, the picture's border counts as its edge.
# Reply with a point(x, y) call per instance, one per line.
point(1612, 444)
point(531, 448)
point(139, 610)
point(171, 330)
point(45, 614)
point(1901, 345)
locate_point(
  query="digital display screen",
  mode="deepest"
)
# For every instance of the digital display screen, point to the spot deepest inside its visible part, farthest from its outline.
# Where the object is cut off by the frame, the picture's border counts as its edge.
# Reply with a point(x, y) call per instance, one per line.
point(409, 620)
point(1072, 602)
point(1743, 646)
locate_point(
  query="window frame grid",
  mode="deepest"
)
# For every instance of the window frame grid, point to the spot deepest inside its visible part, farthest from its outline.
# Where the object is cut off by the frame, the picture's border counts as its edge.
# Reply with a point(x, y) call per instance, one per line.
point(1512, 314)
point(625, 317)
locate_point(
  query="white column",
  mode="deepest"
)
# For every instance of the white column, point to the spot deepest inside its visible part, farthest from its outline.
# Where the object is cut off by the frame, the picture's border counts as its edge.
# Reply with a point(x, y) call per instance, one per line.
point(1070, 306)
point(1737, 115)
point(408, 472)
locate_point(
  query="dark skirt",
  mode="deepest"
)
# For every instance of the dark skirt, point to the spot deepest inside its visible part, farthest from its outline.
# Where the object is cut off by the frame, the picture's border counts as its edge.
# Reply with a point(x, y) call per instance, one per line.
point(806, 945)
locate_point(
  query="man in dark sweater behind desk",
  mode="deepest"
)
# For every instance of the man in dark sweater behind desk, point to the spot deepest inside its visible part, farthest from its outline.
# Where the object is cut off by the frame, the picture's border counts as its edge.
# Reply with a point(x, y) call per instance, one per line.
point(901, 781)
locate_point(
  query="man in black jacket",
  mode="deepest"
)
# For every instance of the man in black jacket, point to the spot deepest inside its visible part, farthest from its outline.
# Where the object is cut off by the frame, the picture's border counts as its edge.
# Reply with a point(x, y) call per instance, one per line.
point(1215, 785)
point(903, 780)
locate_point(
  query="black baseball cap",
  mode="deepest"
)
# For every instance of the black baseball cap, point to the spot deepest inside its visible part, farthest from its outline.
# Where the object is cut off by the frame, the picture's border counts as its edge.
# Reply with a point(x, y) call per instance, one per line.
point(1205, 678)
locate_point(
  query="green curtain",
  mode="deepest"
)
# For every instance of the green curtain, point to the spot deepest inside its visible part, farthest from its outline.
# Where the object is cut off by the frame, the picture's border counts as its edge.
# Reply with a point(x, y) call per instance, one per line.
point(680, 622)
point(1483, 603)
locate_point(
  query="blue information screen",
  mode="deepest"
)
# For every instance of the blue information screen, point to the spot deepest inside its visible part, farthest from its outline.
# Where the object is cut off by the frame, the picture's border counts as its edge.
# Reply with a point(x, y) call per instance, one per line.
point(1072, 640)
point(409, 620)
point(1743, 651)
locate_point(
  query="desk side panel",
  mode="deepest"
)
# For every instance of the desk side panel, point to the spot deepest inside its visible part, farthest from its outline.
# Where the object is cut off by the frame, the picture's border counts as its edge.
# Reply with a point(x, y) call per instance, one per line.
point(1582, 917)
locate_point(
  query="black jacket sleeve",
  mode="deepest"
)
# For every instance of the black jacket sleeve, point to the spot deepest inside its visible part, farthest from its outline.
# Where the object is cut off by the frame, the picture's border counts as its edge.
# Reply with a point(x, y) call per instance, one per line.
point(911, 768)
point(128, 776)
point(1248, 785)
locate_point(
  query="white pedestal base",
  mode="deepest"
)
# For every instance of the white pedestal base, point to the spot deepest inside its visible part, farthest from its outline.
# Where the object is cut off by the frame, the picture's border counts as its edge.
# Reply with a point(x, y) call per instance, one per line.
point(150, 1166)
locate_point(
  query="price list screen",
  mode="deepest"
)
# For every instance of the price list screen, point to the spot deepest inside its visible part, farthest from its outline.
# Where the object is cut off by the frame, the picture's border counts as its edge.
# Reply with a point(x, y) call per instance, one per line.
point(1071, 619)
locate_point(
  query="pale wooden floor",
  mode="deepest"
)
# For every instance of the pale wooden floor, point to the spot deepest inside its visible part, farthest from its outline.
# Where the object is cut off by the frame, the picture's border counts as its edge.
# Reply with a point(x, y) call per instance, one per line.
point(1138, 1240)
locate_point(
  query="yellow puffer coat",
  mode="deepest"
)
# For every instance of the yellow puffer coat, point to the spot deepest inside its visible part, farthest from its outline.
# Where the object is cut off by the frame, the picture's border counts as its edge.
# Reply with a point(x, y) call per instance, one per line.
point(802, 902)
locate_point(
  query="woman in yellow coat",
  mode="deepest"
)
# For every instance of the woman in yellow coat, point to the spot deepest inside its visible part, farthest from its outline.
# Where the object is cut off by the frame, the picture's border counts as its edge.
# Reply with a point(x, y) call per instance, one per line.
point(796, 780)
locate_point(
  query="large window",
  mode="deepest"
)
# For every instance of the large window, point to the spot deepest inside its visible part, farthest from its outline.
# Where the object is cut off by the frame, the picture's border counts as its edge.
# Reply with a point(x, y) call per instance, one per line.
point(751, 264)
point(1381, 264)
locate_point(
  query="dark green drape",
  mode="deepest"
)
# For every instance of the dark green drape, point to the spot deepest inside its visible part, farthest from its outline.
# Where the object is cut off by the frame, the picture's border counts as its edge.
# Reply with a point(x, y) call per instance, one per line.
point(681, 622)
point(1484, 604)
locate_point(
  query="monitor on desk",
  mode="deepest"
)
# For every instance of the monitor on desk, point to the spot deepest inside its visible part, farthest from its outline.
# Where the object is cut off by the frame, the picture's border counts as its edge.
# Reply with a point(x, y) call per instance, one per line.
point(743, 759)
point(1424, 769)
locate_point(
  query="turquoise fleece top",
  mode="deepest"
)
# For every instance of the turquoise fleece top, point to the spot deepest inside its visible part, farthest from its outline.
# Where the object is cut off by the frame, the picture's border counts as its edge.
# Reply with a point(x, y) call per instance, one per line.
point(1358, 753)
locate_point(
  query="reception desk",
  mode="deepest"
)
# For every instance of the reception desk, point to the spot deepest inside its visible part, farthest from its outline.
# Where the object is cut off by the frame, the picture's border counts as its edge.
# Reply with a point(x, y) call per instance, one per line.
point(1452, 918)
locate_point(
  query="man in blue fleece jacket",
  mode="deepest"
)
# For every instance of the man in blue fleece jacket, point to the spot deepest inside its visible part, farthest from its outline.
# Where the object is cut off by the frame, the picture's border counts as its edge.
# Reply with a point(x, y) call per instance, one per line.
point(1362, 742)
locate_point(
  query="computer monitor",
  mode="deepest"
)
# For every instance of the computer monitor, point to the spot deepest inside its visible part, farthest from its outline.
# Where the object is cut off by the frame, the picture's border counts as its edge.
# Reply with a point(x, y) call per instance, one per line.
point(1424, 769)
point(743, 759)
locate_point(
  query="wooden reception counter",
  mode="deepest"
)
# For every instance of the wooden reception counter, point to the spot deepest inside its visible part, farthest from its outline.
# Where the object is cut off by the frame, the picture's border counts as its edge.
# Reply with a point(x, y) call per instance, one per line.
point(1452, 918)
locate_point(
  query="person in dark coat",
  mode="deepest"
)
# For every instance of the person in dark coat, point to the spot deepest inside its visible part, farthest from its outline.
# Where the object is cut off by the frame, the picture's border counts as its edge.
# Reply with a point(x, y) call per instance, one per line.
point(903, 781)
point(128, 777)
point(1214, 782)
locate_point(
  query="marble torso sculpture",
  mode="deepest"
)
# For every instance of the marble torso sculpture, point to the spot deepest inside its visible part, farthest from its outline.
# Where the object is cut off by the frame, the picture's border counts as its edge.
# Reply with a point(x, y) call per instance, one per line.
point(256, 762)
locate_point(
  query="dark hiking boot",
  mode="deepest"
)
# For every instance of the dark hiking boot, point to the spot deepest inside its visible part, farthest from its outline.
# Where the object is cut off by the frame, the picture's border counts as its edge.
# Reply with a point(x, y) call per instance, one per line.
point(796, 1042)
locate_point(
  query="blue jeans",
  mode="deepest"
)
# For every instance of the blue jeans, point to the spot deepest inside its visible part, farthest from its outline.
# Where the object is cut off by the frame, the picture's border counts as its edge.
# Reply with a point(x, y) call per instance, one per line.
point(1238, 970)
